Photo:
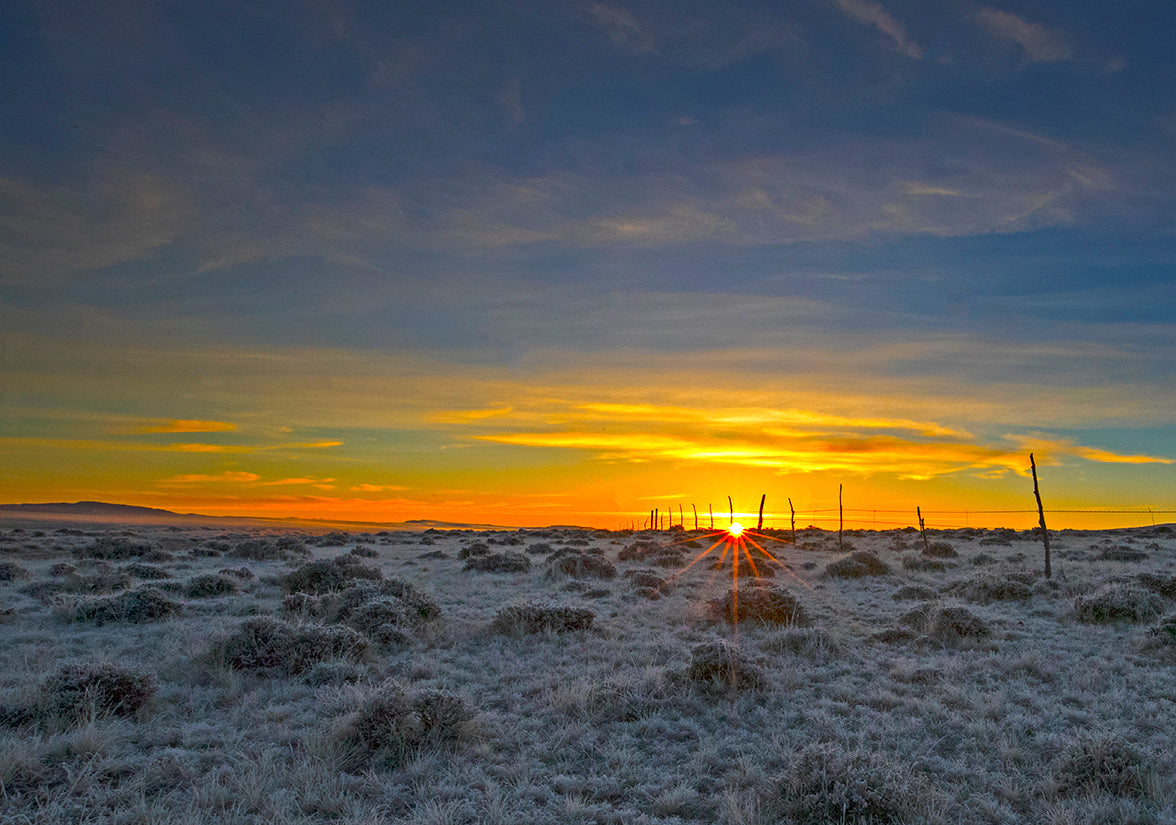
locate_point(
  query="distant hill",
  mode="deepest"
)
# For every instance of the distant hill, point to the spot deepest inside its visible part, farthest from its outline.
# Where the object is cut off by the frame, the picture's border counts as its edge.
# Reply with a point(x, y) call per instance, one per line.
point(86, 508)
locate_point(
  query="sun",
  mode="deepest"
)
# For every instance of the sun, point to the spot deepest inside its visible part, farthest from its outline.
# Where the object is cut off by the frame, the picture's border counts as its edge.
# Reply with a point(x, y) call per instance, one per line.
point(736, 529)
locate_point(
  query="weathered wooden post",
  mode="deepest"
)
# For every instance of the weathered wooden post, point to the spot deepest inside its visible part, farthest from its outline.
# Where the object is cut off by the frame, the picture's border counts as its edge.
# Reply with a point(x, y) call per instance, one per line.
point(695, 509)
point(793, 511)
point(759, 525)
point(923, 530)
point(840, 521)
point(1040, 514)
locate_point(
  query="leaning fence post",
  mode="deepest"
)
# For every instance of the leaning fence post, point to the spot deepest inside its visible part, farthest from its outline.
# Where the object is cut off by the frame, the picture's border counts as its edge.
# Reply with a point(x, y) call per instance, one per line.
point(923, 530)
point(1040, 514)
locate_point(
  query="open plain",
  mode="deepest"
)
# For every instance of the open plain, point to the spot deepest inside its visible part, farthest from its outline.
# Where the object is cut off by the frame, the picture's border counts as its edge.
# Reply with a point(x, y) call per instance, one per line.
point(192, 674)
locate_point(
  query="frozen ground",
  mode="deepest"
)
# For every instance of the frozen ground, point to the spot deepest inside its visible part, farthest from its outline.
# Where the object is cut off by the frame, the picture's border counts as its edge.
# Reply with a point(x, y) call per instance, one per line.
point(183, 675)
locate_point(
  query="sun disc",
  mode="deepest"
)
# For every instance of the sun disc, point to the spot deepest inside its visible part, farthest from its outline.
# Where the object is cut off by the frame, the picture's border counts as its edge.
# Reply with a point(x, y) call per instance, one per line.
point(736, 529)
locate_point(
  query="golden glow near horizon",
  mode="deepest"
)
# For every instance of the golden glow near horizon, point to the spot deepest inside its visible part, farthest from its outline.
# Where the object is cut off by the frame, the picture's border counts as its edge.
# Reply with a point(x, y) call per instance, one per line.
point(735, 529)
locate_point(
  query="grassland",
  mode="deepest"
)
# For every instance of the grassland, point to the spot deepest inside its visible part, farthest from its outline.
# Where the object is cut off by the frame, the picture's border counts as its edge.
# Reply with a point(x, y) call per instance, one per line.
point(192, 675)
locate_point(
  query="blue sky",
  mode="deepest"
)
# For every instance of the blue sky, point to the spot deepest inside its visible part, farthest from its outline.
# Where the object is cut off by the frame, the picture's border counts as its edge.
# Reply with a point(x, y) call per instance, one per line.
point(492, 250)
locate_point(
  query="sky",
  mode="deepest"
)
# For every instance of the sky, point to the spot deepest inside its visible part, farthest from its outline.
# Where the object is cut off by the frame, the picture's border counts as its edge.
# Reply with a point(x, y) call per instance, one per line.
point(533, 262)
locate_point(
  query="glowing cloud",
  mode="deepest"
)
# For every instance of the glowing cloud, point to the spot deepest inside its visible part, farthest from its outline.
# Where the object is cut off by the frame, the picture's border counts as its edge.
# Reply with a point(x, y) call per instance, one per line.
point(187, 426)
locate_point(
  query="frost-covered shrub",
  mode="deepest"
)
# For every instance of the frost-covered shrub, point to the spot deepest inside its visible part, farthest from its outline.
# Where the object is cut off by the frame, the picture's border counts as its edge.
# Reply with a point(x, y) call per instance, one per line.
point(265, 643)
point(1118, 602)
point(995, 586)
point(134, 606)
point(581, 565)
point(917, 592)
point(11, 571)
point(945, 623)
point(827, 782)
point(75, 691)
point(940, 550)
point(139, 570)
point(1162, 584)
point(283, 548)
point(653, 552)
point(768, 605)
point(857, 565)
point(211, 585)
point(539, 618)
point(392, 725)
point(324, 575)
point(1119, 552)
point(719, 665)
point(509, 562)
point(1101, 764)
point(114, 548)
point(923, 564)
point(478, 548)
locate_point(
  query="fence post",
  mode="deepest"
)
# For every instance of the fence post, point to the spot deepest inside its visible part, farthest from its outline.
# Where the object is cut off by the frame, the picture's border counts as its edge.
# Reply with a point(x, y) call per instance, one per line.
point(1040, 514)
point(840, 522)
point(760, 524)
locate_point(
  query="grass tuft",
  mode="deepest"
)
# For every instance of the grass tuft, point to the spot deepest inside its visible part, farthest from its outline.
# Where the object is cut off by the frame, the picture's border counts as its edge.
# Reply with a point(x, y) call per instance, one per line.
point(539, 618)
point(856, 565)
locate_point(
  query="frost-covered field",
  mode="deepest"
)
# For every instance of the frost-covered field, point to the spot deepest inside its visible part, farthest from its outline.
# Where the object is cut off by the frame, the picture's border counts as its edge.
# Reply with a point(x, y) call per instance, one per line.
point(172, 675)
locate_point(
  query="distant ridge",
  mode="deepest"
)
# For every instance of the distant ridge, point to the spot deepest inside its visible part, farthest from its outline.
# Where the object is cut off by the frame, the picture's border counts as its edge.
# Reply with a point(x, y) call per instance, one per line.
point(107, 511)
point(88, 508)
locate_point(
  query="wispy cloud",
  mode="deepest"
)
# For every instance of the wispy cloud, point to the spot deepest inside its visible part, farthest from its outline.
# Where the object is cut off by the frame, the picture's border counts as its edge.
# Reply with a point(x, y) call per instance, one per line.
point(229, 476)
point(1039, 43)
point(185, 426)
point(874, 14)
point(622, 27)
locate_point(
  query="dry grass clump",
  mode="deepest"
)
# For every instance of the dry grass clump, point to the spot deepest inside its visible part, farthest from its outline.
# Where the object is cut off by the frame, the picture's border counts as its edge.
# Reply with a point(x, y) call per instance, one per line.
point(653, 552)
point(266, 643)
point(540, 548)
point(76, 692)
point(321, 576)
point(1118, 602)
point(1103, 764)
point(580, 565)
point(508, 562)
point(146, 604)
point(11, 571)
point(769, 605)
point(211, 585)
point(995, 586)
point(857, 565)
point(540, 618)
point(827, 782)
point(813, 643)
point(718, 666)
point(393, 725)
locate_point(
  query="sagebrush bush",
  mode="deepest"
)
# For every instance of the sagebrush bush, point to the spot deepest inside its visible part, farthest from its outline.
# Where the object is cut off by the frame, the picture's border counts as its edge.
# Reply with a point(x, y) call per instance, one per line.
point(1162, 584)
point(146, 604)
point(581, 565)
point(211, 585)
point(995, 586)
point(827, 782)
point(11, 571)
point(79, 690)
point(653, 552)
point(758, 603)
point(923, 564)
point(392, 725)
point(477, 548)
point(857, 565)
point(940, 550)
point(719, 665)
point(265, 643)
point(321, 576)
point(114, 548)
point(914, 591)
point(945, 623)
point(1101, 764)
point(509, 562)
point(1118, 602)
point(283, 548)
point(540, 618)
